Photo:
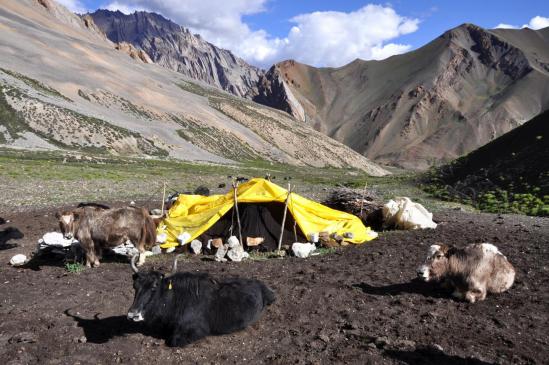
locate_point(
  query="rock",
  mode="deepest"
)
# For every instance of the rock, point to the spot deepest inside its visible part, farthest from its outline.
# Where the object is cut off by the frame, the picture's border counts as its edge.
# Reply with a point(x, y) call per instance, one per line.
point(170, 249)
point(404, 345)
point(202, 190)
point(183, 238)
point(18, 260)
point(233, 242)
point(237, 254)
point(156, 250)
point(156, 212)
point(161, 238)
point(196, 247)
point(217, 242)
point(302, 250)
point(82, 339)
point(220, 254)
point(382, 341)
point(23, 337)
point(436, 347)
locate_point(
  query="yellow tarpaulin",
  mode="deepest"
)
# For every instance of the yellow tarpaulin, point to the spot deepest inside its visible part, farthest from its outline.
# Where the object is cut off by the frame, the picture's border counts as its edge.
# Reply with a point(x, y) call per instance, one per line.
point(194, 214)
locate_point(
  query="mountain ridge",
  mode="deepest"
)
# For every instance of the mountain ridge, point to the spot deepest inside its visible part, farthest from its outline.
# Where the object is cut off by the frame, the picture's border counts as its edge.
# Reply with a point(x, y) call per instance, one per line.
point(176, 48)
point(76, 92)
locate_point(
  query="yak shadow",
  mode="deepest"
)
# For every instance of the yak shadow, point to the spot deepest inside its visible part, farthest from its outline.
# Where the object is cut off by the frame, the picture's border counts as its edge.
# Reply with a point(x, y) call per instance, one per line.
point(431, 356)
point(10, 233)
point(53, 259)
point(101, 330)
point(413, 287)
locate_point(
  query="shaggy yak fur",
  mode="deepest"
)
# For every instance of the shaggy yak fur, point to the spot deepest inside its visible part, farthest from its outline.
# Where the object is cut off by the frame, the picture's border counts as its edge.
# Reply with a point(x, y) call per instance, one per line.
point(471, 272)
point(186, 307)
point(97, 227)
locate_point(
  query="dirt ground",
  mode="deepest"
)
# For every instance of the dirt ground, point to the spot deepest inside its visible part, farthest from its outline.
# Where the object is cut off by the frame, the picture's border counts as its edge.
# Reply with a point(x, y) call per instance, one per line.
point(357, 305)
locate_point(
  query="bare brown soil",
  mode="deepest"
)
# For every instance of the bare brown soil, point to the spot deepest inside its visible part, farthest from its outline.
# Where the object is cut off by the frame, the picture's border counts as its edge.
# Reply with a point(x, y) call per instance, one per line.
point(357, 305)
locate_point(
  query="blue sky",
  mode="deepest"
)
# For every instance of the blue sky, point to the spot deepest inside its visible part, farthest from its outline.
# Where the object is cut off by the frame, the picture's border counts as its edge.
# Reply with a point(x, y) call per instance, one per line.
point(328, 33)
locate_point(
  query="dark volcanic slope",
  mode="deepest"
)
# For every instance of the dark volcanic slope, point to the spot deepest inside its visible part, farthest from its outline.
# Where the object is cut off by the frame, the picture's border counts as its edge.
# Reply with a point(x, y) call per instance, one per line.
point(436, 103)
point(517, 161)
point(176, 48)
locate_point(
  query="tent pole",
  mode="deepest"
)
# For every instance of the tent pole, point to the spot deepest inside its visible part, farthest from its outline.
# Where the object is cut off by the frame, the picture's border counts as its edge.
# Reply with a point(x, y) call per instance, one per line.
point(163, 197)
point(284, 217)
point(235, 184)
point(362, 200)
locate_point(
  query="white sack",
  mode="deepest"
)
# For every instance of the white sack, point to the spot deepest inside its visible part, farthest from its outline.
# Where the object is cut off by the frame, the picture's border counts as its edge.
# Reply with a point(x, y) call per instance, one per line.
point(302, 250)
point(403, 213)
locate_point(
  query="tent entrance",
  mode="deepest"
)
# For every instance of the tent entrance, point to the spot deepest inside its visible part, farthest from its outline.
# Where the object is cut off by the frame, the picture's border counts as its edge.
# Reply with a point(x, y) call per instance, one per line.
point(257, 220)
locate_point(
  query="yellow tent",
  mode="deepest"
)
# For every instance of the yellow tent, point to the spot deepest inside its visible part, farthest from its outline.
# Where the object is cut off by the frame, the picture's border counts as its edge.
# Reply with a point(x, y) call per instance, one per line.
point(195, 214)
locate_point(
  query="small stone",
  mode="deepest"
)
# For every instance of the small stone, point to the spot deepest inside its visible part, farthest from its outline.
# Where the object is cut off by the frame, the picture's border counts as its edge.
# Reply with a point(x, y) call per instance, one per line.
point(220, 254)
point(23, 337)
point(82, 339)
point(382, 341)
point(436, 347)
point(404, 344)
point(18, 260)
point(372, 345)
point(156, 250)
point(196, 247)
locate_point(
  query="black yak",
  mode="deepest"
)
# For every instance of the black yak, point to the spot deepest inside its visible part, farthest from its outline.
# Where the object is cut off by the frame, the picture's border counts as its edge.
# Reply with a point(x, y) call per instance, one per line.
point(185, 307)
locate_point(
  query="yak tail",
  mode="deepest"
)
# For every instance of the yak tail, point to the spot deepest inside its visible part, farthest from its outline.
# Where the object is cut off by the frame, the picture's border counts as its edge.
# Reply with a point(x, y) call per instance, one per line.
point(268, 295)
point(148, 232)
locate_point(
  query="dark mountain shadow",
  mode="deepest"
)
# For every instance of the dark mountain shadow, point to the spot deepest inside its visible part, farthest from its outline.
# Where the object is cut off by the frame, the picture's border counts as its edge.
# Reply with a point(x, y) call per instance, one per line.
point(431, 356)
point(101, 330)
point(10, 233)
point(413, 287)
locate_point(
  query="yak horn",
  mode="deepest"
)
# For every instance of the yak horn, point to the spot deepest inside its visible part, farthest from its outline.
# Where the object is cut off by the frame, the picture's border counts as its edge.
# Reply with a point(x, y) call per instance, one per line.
point(132, 263)
point(174, 267)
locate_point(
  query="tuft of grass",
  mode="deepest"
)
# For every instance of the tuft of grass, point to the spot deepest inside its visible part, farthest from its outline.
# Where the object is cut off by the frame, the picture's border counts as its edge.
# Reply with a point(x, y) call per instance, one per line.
point(74, 267)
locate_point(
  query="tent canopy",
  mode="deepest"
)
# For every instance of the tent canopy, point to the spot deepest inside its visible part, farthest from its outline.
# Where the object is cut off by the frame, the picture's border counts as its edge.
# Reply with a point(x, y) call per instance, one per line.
point(195, 214)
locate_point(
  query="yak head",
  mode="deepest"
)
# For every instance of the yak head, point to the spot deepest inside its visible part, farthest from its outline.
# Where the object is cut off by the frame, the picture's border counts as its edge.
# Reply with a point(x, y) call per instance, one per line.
point(436, 263)
point(146, 286)
point(68, 223)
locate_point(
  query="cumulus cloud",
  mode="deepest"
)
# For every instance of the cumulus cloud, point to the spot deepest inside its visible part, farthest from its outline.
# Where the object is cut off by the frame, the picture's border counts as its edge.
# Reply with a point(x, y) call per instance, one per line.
point(75, 6)
point(327, 38)
point(536, 22)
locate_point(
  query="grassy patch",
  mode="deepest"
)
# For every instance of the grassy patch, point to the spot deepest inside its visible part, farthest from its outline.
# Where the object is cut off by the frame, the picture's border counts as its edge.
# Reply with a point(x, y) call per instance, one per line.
point(74, 267)
point(10, 119)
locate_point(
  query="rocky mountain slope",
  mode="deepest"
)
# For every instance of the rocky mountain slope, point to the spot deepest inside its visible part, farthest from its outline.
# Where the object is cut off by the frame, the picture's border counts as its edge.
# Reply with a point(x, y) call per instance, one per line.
point(176, 48)
point(63, 85)
point(431, 105)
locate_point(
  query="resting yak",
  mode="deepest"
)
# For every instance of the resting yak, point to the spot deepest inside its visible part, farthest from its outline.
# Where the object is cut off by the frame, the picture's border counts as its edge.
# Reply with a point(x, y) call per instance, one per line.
point(98, 227)
point(185, 307)
point(472, 271)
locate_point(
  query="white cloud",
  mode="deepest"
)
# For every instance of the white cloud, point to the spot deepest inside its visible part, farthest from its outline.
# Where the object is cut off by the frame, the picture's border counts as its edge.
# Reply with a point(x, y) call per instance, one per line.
point(536, 22)
point(75, 6)
point(327, 38)
point(506, 26)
